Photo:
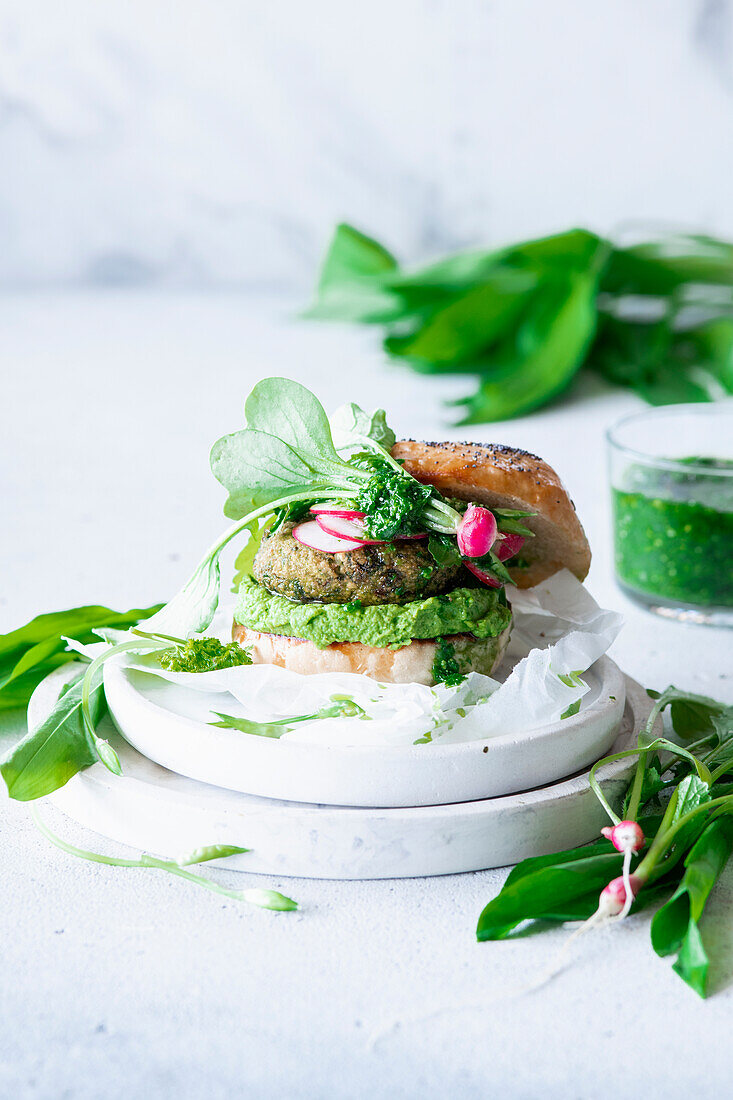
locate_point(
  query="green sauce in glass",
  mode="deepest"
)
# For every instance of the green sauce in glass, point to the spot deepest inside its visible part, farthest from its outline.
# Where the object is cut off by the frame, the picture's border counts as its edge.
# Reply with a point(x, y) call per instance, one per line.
point(674, 533)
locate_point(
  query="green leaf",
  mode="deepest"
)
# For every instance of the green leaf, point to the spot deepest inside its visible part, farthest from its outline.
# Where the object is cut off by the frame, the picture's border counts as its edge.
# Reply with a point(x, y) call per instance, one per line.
point(692, 793)
point(694, 715)
point(341, 706)
point(28, 654)
point(545, 890)
point(260, 729)
point(548, 352)
point(651, 785)
point(713, 344)
point(691, 258)
point(350, 287)
point(350, 425)
point(282, 408)
point(353, 254)
point(209, 852)
point(258, 469)
point(444, 550)
point(48, 756)
point(245, 558)
point(674, 927)
point(286, 449)
point(467, 325)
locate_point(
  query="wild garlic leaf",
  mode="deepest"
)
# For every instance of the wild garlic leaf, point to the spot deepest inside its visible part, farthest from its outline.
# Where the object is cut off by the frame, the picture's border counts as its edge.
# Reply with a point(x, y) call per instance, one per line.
point(468, 325)
point(352, 254)
point(48, 756)
point(545, 889)
point(543, 358)
point(693, 792)
point(275, 729)
point(674, 927)
point(351, 285)
point(29, 653)
point(694, 715)
point(209, 852)
point(191, 610)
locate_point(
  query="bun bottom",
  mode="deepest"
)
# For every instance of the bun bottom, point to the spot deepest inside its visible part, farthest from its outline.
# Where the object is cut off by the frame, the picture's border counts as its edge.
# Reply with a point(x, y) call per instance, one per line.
point(411, 664)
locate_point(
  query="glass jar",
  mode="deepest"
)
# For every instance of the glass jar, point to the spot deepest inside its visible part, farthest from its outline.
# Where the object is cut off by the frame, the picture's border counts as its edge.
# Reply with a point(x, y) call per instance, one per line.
point(671, 471)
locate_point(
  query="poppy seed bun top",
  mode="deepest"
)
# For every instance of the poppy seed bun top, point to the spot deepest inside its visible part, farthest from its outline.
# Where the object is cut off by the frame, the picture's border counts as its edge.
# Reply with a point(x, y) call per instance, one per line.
point(505, 477)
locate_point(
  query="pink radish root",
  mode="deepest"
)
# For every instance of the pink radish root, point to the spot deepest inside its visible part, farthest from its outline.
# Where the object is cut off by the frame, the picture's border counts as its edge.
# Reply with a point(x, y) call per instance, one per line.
point(626, 836)
point(476, 532)
point(616, 899)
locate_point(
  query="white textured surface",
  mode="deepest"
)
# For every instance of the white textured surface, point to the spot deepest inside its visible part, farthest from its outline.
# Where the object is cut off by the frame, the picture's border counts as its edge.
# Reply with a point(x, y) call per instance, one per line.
point(126, 984)
point(184, 142)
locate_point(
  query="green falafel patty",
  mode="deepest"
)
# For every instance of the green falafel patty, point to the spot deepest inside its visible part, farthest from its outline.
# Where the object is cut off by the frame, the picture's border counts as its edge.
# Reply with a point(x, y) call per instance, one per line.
point(480, 611)
point(389, 573)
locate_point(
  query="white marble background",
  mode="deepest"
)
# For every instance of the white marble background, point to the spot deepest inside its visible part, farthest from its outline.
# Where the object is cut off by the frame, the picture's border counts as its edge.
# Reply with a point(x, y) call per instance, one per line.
point(199, 144)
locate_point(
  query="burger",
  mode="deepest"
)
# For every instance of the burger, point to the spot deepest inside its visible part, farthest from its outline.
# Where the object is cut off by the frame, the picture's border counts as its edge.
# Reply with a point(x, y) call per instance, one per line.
point(326, 593)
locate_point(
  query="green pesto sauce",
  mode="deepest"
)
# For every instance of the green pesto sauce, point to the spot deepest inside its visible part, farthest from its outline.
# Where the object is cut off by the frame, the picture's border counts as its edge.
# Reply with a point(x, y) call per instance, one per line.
point(674, 534)
point(482, 612)
point(203, 655)
point(446, 669)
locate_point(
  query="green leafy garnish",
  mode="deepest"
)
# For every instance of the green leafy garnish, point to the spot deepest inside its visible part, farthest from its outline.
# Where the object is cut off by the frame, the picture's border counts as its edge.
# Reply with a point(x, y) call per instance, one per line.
point(341, 706)
point(444, 550)
point(203, 655)
point(350, 426)
point(393, 502)
point(524, 319)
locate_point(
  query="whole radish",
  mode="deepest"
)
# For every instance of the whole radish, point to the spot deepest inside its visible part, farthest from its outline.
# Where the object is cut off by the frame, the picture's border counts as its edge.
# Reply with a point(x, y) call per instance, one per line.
point(627, 836)
point(476, 532)
point(617, 897)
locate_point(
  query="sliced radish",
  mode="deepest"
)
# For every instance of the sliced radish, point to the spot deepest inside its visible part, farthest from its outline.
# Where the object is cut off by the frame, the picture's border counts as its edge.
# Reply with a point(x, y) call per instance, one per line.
point(483, 577)
point(312, 534)
point(506, 546)
point(346, 529)
point(418, 535)
point(476, 532)
point(332, 510)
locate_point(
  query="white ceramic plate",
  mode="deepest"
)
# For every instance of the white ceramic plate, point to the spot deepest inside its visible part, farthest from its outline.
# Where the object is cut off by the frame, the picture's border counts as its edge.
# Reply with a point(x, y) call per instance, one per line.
point(171, 725)
point(152, 809)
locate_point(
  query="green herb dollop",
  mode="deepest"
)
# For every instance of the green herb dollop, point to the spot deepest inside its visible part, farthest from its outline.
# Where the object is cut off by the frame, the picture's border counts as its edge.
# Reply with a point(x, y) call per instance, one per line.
point(203, 655)
point(446, 669)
